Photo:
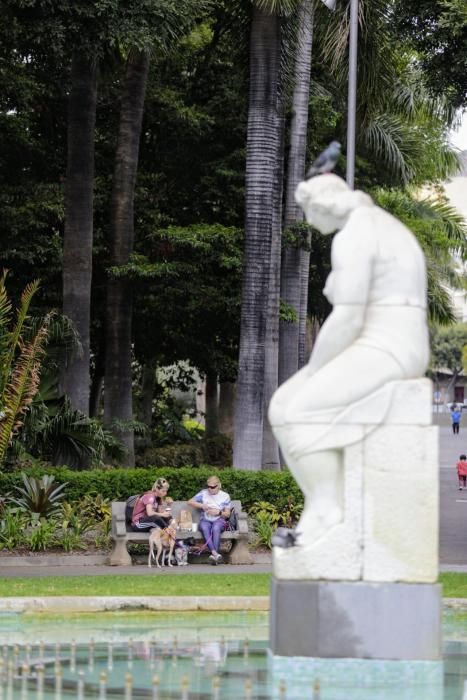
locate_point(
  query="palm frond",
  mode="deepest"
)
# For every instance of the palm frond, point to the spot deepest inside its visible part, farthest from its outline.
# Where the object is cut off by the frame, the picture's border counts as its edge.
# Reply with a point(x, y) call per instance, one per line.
point(441, 232)
point(15, 333)
point(5, 318)
point(21, 387)
point(277, 7)
point(384, 137)
point(440, 307)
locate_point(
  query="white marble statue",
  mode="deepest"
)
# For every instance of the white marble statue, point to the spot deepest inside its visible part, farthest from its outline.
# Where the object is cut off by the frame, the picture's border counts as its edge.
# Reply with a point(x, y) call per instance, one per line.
point(375, 337)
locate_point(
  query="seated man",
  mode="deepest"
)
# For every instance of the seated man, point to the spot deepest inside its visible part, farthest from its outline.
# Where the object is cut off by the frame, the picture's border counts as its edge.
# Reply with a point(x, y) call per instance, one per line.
point(216, 508)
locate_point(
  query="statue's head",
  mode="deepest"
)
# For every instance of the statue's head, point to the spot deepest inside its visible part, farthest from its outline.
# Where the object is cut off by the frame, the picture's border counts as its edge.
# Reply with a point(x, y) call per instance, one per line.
point(327, 201)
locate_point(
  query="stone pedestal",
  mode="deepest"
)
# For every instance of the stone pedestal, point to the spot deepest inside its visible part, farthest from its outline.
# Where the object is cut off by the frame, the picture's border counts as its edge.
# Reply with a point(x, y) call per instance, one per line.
point(389, 530)
point(328, 619)
point(367, 588)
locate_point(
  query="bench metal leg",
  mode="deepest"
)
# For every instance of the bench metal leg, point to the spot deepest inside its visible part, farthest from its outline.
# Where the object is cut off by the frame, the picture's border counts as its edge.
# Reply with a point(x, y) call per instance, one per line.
point(240, 554)
point(119, 555)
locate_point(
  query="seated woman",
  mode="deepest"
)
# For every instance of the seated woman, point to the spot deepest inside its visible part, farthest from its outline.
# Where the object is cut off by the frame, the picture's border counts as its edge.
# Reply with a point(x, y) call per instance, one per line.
point(215, 505)
point(146, 513)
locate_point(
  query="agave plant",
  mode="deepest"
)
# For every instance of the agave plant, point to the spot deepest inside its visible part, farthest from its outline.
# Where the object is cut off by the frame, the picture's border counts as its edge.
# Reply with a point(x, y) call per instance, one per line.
point(20, 363)
point(40, 496)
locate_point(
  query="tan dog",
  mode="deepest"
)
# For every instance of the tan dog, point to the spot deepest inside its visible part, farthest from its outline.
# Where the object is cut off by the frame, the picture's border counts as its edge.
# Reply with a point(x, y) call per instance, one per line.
point(162, 540)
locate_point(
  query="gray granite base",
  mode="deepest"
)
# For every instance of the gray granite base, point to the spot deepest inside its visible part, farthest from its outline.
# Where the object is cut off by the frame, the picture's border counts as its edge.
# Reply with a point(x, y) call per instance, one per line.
point(355, 620)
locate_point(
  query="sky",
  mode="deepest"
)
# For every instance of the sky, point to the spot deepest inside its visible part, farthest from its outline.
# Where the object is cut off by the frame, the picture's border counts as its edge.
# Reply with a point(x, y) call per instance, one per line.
point(459, 138)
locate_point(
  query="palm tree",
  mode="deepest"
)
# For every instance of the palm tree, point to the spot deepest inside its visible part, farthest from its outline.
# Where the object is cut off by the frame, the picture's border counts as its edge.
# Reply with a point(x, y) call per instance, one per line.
point(264, 140)
point(118, 402)
point(78, 236)
point(442, 234)
point(296, 259)
point(399, 125)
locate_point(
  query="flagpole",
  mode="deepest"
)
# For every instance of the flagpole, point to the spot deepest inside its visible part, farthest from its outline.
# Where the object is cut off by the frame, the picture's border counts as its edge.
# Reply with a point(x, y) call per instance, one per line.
point(352, 92)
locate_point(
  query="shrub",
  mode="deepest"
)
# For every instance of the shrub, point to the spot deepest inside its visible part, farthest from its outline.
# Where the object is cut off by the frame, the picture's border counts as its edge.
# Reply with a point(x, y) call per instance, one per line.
point(267, 517)
point(38, 495)
point(40, 535)
point(216, 450)
point(12, 527)
point(184, 455)
point(118, 484)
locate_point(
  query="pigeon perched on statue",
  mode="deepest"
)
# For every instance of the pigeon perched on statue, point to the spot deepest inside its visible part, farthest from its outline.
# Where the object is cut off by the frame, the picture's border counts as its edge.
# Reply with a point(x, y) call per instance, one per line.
point(283, 537)
point(326, 160)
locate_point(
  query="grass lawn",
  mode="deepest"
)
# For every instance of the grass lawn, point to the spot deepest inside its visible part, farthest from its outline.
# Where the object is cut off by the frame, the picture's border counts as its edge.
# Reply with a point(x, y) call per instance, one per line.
point(454, 585)
point(152, 584)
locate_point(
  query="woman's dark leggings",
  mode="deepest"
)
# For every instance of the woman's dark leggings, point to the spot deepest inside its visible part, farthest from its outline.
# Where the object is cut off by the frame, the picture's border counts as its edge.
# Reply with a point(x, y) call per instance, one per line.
point(149, 521)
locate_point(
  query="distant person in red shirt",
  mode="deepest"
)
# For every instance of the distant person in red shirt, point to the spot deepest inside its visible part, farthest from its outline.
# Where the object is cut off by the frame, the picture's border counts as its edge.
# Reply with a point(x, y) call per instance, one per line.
point(462, 472)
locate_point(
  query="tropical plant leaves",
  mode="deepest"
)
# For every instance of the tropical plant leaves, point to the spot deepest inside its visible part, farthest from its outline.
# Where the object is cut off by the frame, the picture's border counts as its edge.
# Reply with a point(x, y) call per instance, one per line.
point(40, 496)
point(20, 362)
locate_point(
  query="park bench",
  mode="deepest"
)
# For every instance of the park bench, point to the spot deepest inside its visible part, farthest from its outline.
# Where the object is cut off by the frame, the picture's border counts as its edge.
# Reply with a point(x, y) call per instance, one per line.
point(122, 535)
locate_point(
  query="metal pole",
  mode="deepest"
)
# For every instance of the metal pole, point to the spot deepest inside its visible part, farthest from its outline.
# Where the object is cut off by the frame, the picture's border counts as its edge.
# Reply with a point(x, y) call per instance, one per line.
point(352, 96)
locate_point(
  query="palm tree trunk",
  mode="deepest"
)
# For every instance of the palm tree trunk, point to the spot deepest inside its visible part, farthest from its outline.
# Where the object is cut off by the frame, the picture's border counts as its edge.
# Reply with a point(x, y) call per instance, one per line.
point(118, 403)
point(78, 236)
point(147, 392)
point(97, 379)
point(261, 162)
point(270, 451)
point(304, 272)
point(226, 408)
point(212, 405)
point(296, 261)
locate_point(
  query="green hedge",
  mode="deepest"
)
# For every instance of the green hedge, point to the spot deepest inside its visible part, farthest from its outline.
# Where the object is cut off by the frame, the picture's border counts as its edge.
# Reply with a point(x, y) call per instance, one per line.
point(118, 484)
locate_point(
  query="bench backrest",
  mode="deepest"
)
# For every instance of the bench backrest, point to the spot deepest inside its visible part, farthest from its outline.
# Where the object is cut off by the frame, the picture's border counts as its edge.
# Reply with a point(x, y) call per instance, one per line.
point(118, 509)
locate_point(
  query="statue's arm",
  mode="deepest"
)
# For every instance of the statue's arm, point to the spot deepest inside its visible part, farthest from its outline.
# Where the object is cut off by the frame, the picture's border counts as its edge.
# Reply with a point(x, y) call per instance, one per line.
point(352, 259)
point(342, 327)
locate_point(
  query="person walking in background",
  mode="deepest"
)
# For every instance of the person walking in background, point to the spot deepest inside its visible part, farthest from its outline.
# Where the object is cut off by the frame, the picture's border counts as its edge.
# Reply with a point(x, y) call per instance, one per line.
point(215, 505)
point(462, 472)
point(455, 418)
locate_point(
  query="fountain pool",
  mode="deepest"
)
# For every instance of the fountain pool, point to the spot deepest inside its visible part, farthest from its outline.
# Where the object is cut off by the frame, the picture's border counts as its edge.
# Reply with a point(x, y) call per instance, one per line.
point(199, 656)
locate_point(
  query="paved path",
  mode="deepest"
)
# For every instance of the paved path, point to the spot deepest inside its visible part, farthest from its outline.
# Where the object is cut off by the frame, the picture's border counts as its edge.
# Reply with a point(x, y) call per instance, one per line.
point(453, 503)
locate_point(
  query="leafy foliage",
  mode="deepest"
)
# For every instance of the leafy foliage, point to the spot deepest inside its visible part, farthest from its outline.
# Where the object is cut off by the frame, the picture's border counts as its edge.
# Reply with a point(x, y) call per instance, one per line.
point(267, 517)
point(20, 363)
point(438, 30)
point(118, 484)
point(402, 128)
point(12, 527)
point(192, 274)
point(40, 535)
point(40, 496)
point(216, 450)
point(448, 347)
point(441, 232)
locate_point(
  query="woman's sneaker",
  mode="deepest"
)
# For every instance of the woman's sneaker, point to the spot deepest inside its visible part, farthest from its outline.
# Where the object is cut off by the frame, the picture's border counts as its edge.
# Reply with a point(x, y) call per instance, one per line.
point(215, 559)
